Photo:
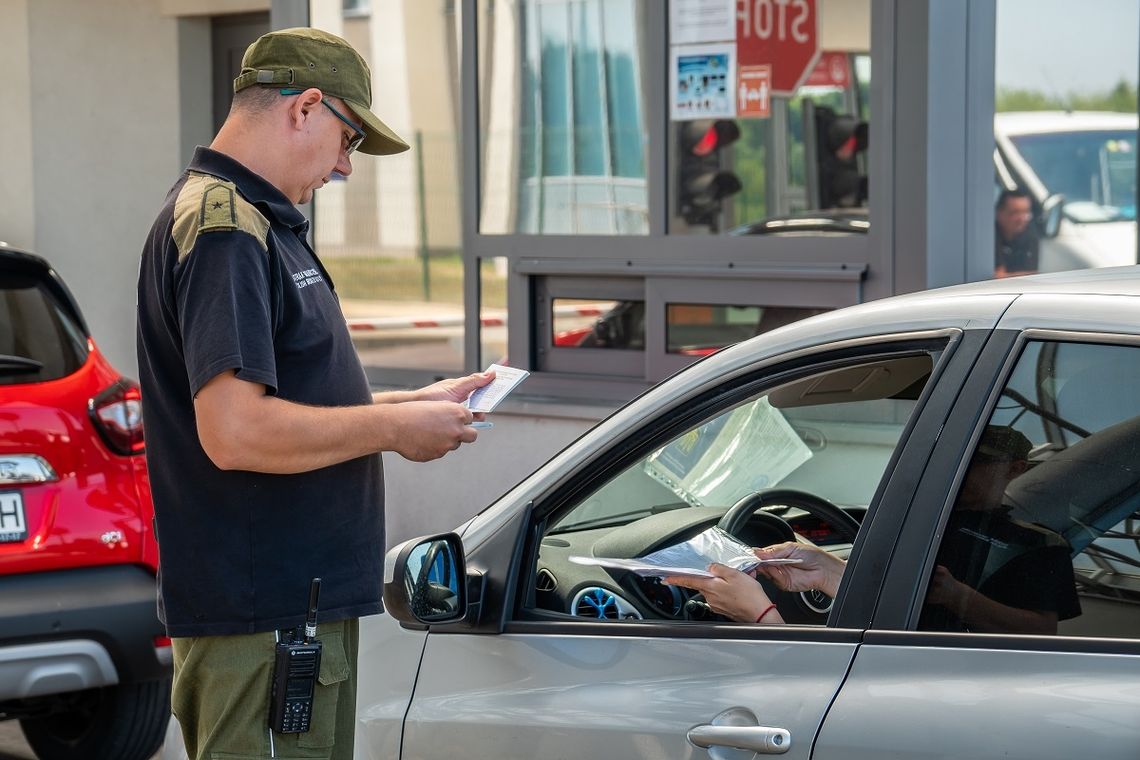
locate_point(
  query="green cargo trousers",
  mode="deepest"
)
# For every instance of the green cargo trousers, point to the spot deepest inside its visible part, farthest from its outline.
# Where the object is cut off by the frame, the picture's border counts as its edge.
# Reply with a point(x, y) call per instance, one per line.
point(222, 689)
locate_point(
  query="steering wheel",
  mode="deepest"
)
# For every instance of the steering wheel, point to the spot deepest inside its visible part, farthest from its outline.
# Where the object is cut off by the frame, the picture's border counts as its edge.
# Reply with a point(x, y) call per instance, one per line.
point(739, 513)
point(809, 607)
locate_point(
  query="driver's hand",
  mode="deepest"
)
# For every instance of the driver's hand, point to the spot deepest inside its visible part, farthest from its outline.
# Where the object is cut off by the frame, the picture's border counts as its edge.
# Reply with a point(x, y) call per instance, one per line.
point(817, 569)
point(730, 593)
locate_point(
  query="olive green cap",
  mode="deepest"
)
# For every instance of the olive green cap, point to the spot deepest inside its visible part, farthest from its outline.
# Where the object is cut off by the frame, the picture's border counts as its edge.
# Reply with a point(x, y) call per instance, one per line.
point(301, 58)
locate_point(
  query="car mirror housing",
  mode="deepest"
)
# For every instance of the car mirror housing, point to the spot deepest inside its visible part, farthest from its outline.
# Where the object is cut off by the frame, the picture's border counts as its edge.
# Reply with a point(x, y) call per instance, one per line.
point(425, 580)
point(1051, 212)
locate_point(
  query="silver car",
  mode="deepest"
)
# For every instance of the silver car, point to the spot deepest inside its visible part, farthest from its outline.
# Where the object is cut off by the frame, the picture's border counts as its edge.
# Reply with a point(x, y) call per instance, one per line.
point(983, 439)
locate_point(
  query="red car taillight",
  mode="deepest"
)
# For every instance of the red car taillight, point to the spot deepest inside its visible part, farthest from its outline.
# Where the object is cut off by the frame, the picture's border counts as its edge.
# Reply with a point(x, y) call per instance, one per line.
point(117, 414)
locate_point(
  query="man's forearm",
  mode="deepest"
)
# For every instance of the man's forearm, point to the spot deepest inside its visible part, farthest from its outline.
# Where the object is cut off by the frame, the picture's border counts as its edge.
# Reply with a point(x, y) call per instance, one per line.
point(278, 436)
point(393, 397)
point(984, 615)
point(241, 427)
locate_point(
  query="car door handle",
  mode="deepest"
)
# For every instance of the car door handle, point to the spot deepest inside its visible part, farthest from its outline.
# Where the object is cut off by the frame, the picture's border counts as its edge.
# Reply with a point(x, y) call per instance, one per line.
point(760, 739)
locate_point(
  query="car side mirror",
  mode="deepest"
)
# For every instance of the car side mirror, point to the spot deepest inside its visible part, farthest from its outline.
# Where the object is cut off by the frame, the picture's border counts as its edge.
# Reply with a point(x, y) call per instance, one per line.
point(425, 580)
point(1052, 211)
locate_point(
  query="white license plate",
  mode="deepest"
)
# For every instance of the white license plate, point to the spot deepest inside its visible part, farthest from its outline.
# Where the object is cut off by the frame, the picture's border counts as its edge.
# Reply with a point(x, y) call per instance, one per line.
point(13, 526)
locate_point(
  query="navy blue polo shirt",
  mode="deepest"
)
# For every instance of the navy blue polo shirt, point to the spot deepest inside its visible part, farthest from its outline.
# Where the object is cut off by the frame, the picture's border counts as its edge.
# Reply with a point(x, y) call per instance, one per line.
point(229, 282)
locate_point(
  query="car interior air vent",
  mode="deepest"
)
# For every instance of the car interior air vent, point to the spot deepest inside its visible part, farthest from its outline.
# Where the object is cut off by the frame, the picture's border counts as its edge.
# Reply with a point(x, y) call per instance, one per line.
point(545, 580)
point(597, 603)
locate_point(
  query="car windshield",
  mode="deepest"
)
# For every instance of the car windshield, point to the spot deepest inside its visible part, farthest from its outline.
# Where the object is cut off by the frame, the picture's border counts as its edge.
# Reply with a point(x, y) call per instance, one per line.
point(1094, 170)
point(799, 435)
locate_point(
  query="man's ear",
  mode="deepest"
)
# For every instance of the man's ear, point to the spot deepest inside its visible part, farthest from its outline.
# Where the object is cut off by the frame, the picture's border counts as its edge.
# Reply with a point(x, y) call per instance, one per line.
point(301, 107)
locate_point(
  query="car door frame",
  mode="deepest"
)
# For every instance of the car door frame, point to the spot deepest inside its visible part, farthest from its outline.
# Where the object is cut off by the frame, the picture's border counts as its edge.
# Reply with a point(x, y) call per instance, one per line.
point(502, 562)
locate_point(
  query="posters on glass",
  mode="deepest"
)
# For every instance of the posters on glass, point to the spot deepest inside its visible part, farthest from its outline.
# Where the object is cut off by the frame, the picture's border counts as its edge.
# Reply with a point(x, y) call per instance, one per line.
point(703, 81)
point(692, 21)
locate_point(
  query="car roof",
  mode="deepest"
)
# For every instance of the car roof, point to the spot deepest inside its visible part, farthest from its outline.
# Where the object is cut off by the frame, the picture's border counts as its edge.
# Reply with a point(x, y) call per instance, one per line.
point(1042, 122)
point(1118, 281)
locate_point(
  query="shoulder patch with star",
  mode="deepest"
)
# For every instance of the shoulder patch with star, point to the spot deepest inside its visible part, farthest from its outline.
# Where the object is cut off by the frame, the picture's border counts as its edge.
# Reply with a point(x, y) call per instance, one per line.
point(208, 204)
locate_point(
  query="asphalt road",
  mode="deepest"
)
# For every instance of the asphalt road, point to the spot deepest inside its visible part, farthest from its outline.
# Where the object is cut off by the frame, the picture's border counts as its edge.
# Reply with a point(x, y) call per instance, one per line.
point(12, 744)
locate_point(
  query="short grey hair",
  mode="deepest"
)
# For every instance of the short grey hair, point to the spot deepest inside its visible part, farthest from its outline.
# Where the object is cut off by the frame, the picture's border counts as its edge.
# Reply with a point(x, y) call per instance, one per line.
point(256, 99)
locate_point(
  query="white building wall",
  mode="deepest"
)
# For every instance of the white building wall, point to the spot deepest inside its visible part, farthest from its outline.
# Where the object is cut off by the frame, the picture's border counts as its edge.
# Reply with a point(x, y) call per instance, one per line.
point(431, 49)
point(391, 101)
point(845, 25)
point(17, 178)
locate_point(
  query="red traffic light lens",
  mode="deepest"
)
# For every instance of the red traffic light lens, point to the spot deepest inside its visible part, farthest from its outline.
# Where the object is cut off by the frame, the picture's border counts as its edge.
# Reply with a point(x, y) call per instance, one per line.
point(708, 142)
point(715, 135)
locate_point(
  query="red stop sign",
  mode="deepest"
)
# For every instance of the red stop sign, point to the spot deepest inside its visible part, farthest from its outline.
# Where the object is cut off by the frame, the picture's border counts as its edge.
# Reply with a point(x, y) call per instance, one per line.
point(783, 34)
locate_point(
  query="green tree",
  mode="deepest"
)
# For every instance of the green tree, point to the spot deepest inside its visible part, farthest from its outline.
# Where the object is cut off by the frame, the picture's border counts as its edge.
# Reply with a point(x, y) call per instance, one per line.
point(1121, 98)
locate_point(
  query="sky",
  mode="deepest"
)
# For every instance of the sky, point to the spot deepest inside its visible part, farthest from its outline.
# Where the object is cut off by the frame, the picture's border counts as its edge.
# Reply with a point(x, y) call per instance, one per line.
point(1067, 46)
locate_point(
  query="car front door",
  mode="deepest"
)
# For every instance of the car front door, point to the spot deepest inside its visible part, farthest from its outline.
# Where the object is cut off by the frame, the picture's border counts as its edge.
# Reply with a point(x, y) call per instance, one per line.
point(1009, 622)
point(590, 662)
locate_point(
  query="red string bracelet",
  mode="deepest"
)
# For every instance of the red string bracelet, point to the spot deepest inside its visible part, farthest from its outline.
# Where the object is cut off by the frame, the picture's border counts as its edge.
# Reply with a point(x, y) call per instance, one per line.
point(767, 609)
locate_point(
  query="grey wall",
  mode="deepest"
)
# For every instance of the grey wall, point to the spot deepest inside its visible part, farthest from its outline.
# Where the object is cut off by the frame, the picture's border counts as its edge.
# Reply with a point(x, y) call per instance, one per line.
point(437, 496)
point(105, 148)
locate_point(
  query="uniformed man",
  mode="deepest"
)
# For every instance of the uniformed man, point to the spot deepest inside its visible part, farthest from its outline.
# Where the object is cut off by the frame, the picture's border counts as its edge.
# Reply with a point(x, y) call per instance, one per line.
point(263, 435)
point(995, 573)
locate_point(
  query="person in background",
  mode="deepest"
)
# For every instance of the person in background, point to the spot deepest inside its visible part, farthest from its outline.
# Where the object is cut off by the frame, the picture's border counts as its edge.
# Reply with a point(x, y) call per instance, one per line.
point(263, 434)
point(1015, 239)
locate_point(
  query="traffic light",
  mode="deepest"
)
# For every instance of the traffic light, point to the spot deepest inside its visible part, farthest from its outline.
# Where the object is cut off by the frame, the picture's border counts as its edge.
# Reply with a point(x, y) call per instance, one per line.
point(839, 140)
point(702, 182)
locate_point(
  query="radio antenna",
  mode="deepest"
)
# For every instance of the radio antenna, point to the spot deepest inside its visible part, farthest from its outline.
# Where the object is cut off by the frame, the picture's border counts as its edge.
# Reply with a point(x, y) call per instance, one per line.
point(311, 620)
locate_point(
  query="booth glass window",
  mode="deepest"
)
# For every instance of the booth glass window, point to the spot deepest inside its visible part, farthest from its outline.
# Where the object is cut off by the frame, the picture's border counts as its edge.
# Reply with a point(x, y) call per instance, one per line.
point(391, 236)
point(1065, 127)
point(493, 318)
point(769, 130)
point(592, 323)
point(563, 134)
point(691, 329)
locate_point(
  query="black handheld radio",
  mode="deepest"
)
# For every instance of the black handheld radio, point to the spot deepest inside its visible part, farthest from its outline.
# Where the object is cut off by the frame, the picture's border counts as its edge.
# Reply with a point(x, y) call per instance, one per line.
point(295, 668)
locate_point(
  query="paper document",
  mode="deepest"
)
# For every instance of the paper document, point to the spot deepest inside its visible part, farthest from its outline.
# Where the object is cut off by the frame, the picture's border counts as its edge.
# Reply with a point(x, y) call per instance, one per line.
point(485, 399)
point(649, 569)
point(691, 557)
point(748, 450)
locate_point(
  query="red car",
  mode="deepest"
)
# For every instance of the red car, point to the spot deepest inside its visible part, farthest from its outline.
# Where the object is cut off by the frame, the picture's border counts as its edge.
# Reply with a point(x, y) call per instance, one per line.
point(84, 662)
